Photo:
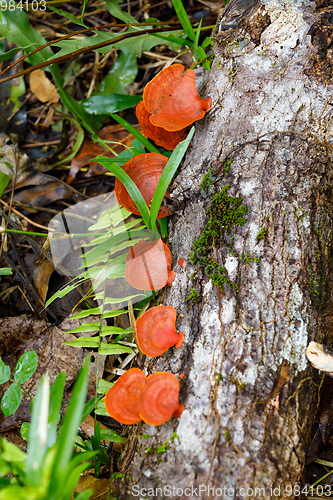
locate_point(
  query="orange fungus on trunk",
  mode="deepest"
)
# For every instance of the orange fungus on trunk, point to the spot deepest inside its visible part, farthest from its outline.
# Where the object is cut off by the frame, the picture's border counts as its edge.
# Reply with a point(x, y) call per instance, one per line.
point(122, 399)
point(156, 331)
point(161, 137)
point(158, 400)
point(172, 99)
point(148, 265)
point(145, 171)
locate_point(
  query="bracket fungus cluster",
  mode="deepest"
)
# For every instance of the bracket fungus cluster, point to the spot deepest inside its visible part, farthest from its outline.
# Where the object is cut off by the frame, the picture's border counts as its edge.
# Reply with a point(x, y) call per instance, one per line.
point(170, 104)
point(135, 397)
point(148, 265)
point(145, 171)
point(161, 137)
point(156, 331)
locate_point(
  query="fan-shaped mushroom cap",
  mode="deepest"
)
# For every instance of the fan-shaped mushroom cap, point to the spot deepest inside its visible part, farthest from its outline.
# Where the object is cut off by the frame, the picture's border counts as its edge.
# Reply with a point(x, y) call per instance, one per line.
point(156, 331)
point(148, 265)
point(172, 99)
point(122, 399)
point(145, 171)
point(161, 137)
point(158, 400)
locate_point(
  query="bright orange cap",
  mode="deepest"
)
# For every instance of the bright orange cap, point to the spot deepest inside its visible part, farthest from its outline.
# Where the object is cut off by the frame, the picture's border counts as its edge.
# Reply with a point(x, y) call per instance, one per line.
point(156, 331)
point(172, 99)
point(158, 400)
point(148, 265)
point(145, 171)
point(122, 399)
point(161, 137)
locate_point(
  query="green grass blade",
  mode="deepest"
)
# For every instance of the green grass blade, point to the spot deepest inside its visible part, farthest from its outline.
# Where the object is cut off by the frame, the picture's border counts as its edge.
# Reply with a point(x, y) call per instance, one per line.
point(148, 145)
point(69, 429)
point(89, 406)
point(197, 35)
point(56, 394)
point(131, 187)
point(183, 18)
point(38, 433)
point(168, 173)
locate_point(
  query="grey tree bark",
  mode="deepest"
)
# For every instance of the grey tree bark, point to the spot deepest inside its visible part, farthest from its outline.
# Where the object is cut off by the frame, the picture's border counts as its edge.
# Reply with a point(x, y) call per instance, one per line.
point(249, 393)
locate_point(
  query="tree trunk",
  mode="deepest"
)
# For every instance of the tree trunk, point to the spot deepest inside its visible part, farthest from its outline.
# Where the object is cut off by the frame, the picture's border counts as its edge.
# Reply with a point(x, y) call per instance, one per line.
point(249, 393)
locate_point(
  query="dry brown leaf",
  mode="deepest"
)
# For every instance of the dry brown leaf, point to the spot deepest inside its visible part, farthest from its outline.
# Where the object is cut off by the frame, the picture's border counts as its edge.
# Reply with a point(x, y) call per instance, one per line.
point(90, 149)
point(42, 87)
point(100, 487)
point(41, 277)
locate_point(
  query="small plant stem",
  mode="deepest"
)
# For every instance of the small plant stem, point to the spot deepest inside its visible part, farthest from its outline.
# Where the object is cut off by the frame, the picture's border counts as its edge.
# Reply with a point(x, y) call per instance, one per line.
point(25, 392)
point(28, 233)
point(63, 235)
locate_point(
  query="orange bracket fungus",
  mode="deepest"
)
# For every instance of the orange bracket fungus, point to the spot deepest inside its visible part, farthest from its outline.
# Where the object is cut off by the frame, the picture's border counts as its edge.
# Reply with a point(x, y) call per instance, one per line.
point(161, 137)
point(158, 400)
point(172, 99)
point(122, 399)
point(145, 171)
point(148, 265)
point(156, 331)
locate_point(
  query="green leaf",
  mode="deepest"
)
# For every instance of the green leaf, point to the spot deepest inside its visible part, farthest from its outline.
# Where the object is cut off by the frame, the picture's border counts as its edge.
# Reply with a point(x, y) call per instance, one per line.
point(38, 433)
point(4, 181)
point(115, 10)
point(5, 271)
point(11, 53)
point(148, 145)
point(111, 217)
point(120, 76)
point(84, 495)
point(65, 290)
point(104, 386)
point(25, 429)
point(68, 15)
point(85, 327)
point(183, 18)
point(56, 395)
point(4, 468)
point(25, 367)
point(98, 310)
point(11, 400)
point(113, 330)
point(101, 410)
point(114, 349)
point(131, 187)
point(163, 222)
point(167, 174)
point(84, 342)
point(110, 300)
point(114, 244)
point(174, 40)
point(4, 372)
point(88, 312)
point(108, 435)
point(69, 429)
point(16, 27)
point(11, 452)
point(98, 104)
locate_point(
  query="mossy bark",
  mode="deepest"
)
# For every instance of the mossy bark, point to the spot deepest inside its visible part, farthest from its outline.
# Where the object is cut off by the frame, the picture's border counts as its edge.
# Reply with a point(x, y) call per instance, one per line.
point(250, 396)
